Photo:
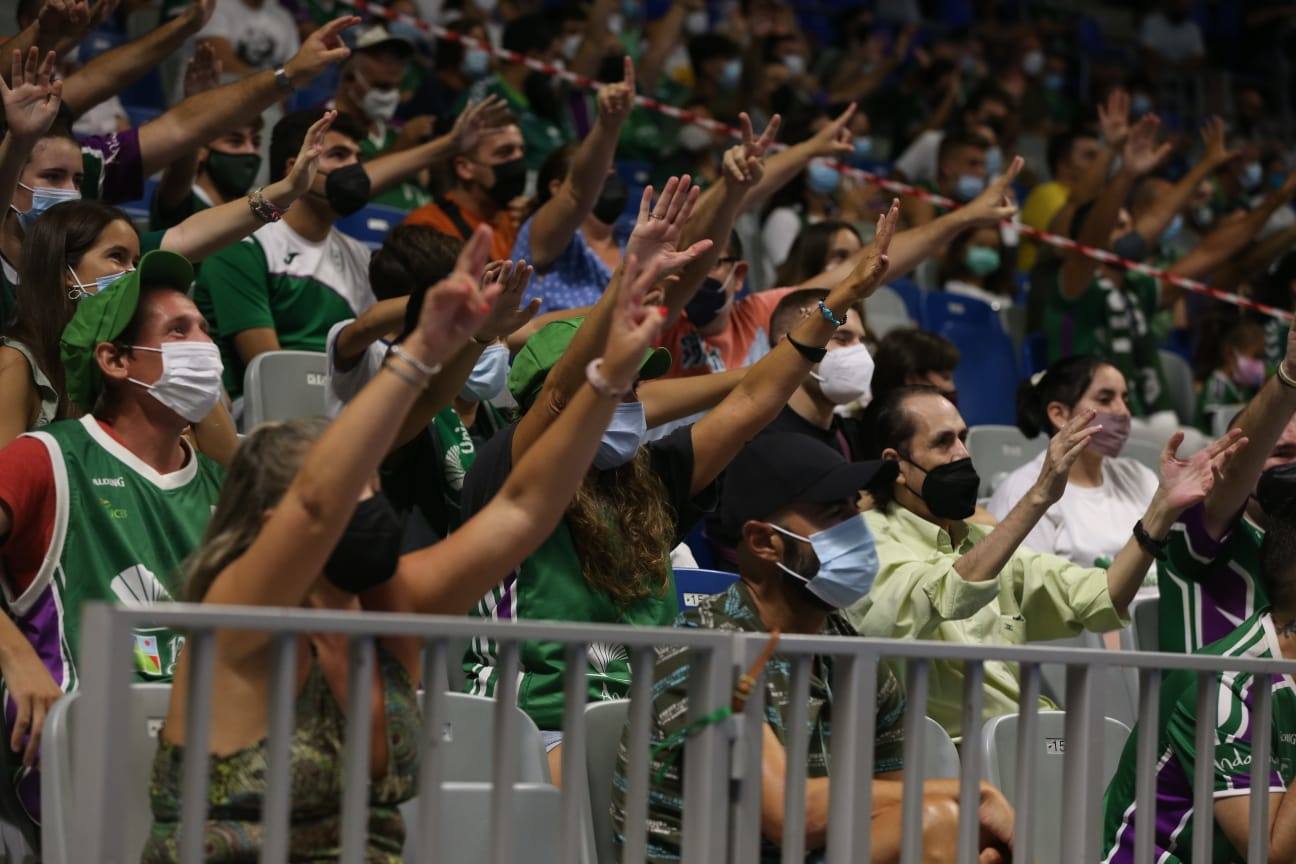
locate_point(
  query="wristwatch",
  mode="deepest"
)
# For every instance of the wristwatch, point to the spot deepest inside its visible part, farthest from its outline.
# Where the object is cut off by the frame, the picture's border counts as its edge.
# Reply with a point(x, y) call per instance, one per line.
point(282, 81)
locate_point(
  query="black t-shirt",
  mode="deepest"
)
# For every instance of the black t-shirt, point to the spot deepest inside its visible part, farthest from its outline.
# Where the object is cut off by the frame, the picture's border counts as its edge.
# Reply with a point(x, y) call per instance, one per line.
point(835, 436)
point(671, 459)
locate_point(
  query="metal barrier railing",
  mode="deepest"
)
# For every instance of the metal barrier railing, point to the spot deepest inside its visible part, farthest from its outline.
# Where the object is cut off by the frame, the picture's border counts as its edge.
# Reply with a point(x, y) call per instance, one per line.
point(722, 761)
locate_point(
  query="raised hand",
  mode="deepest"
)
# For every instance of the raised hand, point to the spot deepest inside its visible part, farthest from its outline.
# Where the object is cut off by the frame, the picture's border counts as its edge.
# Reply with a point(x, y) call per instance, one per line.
point(320, 50)
point(658, 229)
point(1113, 118)
point(754, 146)
point(507, 314)
point(872, 266)
point(1064, 448)
point(995, 203)
point(415, 131)
point(32, 102)
point(1185, 482)
point(835, 139)
point(203, 72)
point(1214, 139)
point(63, 20)
point(306, 166)
point(615, 101)
point(476, 119)
point(454, 308)
point(1142, 153)
point(199, 13)
point(634, 326)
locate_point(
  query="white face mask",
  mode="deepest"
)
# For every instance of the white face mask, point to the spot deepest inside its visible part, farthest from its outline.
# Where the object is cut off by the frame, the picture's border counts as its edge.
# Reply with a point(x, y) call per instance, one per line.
point(624, 434)
point(190, 383)
point(378, 104)
point(845, 374)
point(488, 377)
point(571, 44)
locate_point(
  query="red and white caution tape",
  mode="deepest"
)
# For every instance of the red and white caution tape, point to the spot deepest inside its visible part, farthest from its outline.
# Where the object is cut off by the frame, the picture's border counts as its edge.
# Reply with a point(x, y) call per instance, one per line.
point(895, 187)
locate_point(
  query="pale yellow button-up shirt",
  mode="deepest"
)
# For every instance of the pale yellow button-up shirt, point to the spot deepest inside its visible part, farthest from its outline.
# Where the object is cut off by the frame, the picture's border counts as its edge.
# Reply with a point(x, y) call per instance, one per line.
point(919, 595)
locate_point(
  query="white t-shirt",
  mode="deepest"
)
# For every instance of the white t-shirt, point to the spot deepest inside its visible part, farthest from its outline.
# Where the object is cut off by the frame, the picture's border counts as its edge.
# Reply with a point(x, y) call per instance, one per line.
point(1086, 524)
point(918, 162)
point(1174, 42)
point(101, 119)
point(341, 387)
point(263, 37)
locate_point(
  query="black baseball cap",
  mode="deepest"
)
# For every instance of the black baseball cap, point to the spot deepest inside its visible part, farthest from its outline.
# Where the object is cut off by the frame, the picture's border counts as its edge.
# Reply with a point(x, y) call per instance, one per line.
point(781, 468)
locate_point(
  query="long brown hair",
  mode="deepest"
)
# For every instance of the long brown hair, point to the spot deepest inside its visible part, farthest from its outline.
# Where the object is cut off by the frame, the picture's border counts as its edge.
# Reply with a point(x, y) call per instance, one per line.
point(262, 470)
point(622, 529)
point(56, 241)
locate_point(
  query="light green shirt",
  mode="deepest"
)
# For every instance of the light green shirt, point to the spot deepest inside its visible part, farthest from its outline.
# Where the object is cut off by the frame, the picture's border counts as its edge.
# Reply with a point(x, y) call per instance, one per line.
point(919, 595)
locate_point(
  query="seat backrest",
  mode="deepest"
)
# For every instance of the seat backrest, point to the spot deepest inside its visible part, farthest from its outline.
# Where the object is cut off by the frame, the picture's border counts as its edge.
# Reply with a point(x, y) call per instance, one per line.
point(466, 822)
point(1179, 380)
point(1034, 353)
point(1143, 451)
point(886, 303)
point(692, 585)
point(912, 296)
point(468, 743)
point(986, 376)
point(1000, 450)
point(942, 307)
point(999, 742)
point(604, 722)
point(148, 707)
point(1143, 613)
point(940, 756)
point(370, 225)
point(282, 385)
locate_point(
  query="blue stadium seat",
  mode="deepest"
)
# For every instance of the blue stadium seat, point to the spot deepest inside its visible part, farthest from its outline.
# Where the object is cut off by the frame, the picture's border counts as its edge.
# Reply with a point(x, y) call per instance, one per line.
point(1034, 351)
point(141, 114)
point(692, 585)
point(941, 308)
point(138, 210)
point(97, 43)
point(986, 376)
point(913, 297)
point(371, 224)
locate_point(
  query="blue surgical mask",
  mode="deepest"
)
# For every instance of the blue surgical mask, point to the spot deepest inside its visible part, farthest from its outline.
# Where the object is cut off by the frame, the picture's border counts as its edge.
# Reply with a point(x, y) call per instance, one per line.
point(1252, 176)
point(731, 74)
point(848, 562)
point(476, 62)
point(822, 178)
point(1172, 230)
point(81, 289)
point(43, 198)
point(863, 148)
point(624, 434)
point(994, 161)
point(1140, 104)
point(488, 377)
point(968, 186)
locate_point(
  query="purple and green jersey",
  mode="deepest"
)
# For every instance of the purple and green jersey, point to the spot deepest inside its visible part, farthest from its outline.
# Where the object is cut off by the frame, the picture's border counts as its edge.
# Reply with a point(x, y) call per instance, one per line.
point(1176, 760)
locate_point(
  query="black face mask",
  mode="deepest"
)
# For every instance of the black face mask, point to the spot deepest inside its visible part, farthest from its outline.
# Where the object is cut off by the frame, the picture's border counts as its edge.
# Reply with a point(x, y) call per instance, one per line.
point(706, 303)
point(347, 189)
point(510, 181)
point(1276, 490)
point(950, 490)
point(232, 173)
point(366, 554)
point(612, 200)
point(1130, 246)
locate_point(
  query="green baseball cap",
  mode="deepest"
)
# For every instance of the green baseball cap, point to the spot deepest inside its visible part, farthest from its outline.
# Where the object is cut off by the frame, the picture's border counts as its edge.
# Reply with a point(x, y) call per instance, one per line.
point(532, 364)
point(101, 317)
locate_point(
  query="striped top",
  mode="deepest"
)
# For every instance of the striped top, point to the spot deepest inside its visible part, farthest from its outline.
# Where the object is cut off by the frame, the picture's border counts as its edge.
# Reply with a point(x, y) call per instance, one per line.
point(1174, 820)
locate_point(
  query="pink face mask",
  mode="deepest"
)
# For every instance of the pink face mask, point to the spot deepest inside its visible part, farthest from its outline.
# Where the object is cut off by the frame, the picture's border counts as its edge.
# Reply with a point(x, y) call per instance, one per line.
point(1249, 372)
point(1110, 439)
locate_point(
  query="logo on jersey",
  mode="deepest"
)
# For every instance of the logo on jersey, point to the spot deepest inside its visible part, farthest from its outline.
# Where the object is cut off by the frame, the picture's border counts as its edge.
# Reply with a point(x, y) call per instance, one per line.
point(288, 258)
point(115, 482)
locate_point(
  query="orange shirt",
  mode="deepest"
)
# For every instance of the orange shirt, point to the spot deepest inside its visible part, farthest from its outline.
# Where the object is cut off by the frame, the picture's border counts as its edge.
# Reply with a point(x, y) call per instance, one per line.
point(434, 216)
point(742, 343)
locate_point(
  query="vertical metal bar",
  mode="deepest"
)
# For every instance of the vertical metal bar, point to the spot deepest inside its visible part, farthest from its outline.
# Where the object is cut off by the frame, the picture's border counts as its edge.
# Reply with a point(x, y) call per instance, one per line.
point(1027, 759)
point(506, 752)
point(915, 722)
point(1204, 773)
point(636, 816)
point(845, 774)
point(436, 681)
point(282, 701)
point(797, 747)
point(1145, 771)
point(1077, 803)
point(863, 779)
point(744, 844)
point(201, 646)
point(102, 768)
point(1261, 741)
point(355, 756)
point(970, 769)
point(575, 779)
point(706, 757)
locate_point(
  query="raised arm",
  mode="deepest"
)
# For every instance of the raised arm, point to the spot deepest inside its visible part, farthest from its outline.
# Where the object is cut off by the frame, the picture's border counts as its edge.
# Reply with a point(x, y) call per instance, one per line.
point(211, 230)
point(719, 435)
point(555, 223)
point(113, 71)
point(30, 107)
point(664, 36)
point(289, 553)
point(198, 119)
point(1225, 241)
point(387, 170)
point(450, 576)
point(202, 73)
point(653, 243)
point(831, 142)
point(669, 399)
point(1163, 208)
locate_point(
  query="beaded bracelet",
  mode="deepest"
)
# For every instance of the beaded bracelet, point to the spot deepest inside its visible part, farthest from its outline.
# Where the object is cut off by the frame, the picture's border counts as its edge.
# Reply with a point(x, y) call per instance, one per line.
point(262, 207)
point(418, 364)
point(829, 316)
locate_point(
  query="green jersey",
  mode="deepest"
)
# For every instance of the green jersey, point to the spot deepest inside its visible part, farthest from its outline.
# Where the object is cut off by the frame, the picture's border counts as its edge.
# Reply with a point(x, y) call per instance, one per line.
point(427, 474)
point(402, 196)
point(1176, 760)
point(1112, 320)
point(1207, 586)
point(278, 280)
point(1218, 393)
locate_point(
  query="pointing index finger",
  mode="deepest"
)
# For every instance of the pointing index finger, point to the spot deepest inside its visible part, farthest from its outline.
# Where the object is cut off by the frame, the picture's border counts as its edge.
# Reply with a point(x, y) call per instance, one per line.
point(628, 76)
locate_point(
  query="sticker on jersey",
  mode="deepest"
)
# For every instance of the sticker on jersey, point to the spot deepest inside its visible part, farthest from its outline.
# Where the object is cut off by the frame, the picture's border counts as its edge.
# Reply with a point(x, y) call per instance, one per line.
point(148, 659)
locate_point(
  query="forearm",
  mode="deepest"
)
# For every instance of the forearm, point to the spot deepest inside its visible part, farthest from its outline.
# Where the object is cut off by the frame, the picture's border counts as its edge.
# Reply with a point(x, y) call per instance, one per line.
point(1093, 178)
point(908, 249)
point(1282, 830)
point(1164, 207)
point(211, 230)
point(1130, 566)
point(383, 317)
point(440, 393)
point(1254, 261)
point(1095, 231)
point(671, 399)
point(14, 646)
point(216, 436)
point(177, 182)
point(558, 219)
point(114, 70)
point(568, 374)
point(780, 169)
point(22, 43)
point(1262, 421)
point(988, 558)
point(519, 337)
point(389, 169)
point(1219, 245)
point(661, 42)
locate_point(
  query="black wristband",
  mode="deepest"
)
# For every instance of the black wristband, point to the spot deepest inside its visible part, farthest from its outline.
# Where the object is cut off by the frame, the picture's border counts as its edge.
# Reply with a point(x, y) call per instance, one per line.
point(1155, 548)
point(814, 355)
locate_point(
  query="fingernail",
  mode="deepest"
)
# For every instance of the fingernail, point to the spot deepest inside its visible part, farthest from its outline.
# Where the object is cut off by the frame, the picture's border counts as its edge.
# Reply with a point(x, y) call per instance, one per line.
point(663, 310)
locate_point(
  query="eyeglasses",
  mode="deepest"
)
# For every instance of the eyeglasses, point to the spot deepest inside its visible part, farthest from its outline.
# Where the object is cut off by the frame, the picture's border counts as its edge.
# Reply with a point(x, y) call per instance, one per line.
point(729, 260)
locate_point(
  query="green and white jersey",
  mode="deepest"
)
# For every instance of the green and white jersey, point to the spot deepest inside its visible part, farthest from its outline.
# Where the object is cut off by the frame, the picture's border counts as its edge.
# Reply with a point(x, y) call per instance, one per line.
point(403, 196)
point(278, 280)
point(1176, 762)
point(1208, 587)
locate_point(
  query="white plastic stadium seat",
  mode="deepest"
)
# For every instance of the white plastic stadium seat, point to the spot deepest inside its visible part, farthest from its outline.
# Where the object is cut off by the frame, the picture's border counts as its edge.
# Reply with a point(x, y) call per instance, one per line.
point(283, 385)
point(1179, 381)
point(999, 450)
point(999, 741)
point(468, 743)
point(886, 311)
point(1143, 614)
point(466, 819)
point(604, 722)
point(940, 756)
point(148, 707)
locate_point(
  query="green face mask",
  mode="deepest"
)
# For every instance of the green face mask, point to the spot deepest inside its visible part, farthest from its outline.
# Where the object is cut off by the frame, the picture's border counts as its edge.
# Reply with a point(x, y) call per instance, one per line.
point(981, 260)
point(232, 173)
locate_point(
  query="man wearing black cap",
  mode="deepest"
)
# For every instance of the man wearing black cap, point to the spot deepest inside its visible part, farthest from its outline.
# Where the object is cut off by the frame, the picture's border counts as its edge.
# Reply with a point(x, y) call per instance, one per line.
point(805, 553)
